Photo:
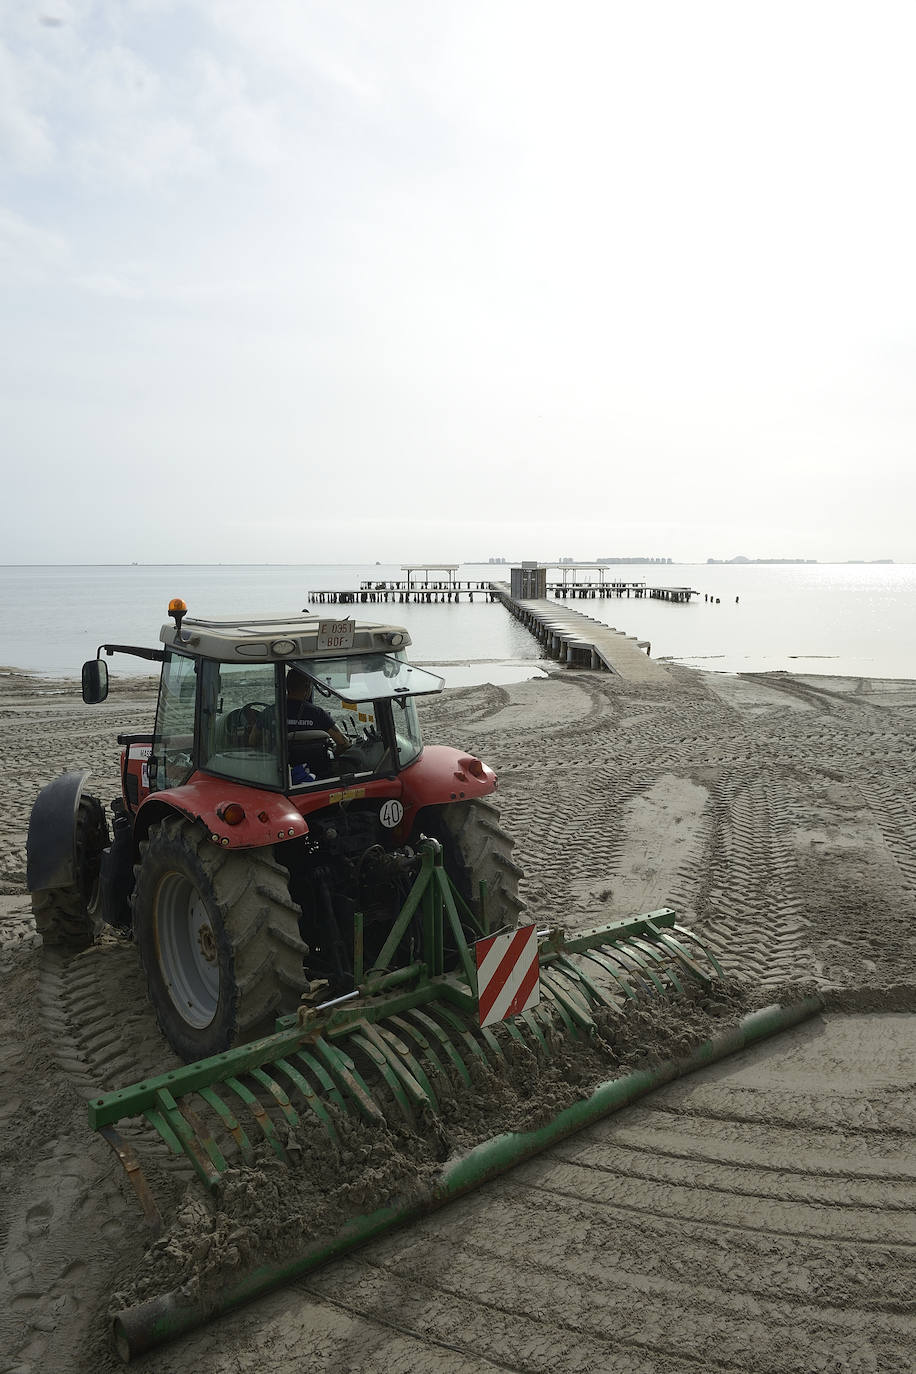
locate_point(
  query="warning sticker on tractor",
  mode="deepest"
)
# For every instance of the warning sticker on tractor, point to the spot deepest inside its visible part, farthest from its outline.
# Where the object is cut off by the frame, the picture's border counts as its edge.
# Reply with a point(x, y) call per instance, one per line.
point(508, 980)
point(143, 752)
point(348, 794)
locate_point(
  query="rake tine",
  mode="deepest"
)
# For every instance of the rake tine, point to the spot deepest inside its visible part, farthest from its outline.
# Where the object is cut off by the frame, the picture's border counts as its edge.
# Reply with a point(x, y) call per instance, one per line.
point(424, 1019)
point(599, 994)
point(678, 949)
point(599, 957)
point(627, 953)
point(566, 981)
point(312, 1100)
point(379, 1059)
point(204, 1135)
point(342, 1066)
point(496, 1048)
point(159, 1123)
point(403, 1063)
point(654, 953)
point(280, 1097)
point(230, 1121)
point(257, 1110)
point(192, 1147)
point(571, 1010)
point(132, 1167)
point(417, 1036)
point(325, 1081)
point(463, 1033)
point(532, 1021)
point(707, 953)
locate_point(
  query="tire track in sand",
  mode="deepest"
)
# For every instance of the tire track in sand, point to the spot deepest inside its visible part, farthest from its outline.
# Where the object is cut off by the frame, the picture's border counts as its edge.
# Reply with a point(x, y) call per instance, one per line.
point(751, 908)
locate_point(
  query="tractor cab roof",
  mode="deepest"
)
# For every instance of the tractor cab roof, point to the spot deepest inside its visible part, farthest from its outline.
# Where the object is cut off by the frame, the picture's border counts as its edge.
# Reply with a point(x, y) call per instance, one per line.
point(281, 638)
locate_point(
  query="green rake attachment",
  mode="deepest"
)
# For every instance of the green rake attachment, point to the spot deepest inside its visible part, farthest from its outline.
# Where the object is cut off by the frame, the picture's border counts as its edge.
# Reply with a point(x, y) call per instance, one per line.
point(388, 1052)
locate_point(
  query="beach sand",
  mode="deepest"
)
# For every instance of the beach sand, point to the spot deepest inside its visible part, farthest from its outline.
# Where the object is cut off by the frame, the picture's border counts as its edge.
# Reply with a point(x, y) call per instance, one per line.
point(757, 1216)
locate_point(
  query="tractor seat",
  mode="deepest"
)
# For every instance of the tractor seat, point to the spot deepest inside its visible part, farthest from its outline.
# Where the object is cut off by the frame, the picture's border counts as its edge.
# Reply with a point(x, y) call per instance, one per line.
point(313, 748)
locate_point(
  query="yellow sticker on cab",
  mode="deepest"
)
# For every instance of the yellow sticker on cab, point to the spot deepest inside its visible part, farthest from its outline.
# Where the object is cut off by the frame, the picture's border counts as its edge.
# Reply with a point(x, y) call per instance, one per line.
point(348, 794)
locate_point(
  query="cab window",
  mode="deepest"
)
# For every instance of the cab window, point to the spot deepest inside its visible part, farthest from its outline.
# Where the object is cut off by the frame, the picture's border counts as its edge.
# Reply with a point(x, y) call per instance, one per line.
point(238, 722)
point(173, 750)
point(406, 730)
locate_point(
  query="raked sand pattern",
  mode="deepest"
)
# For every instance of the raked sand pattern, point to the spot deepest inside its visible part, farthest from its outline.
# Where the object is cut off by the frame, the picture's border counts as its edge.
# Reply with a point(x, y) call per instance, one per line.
point(758, 1216)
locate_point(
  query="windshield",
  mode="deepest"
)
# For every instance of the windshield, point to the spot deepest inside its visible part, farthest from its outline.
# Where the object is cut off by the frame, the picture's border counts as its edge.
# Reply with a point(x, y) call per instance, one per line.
point(362, 704)
point(369, 677)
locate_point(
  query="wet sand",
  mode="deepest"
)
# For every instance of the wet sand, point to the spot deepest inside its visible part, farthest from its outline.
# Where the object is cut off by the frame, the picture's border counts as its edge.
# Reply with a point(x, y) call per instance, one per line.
point(756, 1216)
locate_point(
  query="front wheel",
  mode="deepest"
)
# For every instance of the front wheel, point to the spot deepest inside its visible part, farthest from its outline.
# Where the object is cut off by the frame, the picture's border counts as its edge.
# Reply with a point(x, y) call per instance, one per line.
point(219, 939)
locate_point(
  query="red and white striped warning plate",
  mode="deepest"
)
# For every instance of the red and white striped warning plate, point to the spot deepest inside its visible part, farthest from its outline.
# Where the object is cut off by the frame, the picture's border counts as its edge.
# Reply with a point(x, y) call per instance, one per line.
point(507, 974)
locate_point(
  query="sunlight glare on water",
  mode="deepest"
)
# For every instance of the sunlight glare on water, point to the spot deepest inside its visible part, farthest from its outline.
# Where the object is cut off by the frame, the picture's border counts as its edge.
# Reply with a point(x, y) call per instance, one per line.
point(840, 619)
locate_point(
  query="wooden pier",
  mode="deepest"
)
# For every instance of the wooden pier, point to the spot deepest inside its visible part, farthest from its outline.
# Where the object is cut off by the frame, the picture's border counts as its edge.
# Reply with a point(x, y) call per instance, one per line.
point(580, 641)
point(602, 590)
point(429, 591)
point(575, 639)
point(445, 587)
point(599, 590)
point(572, 585)
point(680, 594)
point(425, 591)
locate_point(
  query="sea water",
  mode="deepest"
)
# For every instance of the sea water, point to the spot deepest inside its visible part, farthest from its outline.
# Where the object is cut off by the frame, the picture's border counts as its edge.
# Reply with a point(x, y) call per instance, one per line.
point(840, 619)
point(55, 617)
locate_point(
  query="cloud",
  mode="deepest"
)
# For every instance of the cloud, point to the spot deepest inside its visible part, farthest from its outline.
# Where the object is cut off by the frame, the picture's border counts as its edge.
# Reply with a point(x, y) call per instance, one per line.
point(30, 254)
point(25, 142)
point(342, 50)
point(107, 284)
point(486, 254)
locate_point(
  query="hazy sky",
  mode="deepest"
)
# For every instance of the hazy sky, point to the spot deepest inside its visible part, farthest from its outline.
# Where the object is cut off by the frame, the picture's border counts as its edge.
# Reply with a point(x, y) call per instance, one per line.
point(294, 281)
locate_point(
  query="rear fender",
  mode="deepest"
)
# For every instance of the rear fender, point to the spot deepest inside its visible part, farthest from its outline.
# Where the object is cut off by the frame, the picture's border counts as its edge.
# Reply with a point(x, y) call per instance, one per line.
point(51, 843)
point(442, 775)
point(270, 817)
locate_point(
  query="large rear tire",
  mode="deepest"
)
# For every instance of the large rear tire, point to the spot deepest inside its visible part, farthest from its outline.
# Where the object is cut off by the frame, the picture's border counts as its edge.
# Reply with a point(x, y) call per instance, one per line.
point(477, 848)
point(69, 917)
point(218, 934)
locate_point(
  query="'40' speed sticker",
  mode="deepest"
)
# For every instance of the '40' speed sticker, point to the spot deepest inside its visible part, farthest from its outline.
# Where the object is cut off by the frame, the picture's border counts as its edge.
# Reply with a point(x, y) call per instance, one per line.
point(391, 814)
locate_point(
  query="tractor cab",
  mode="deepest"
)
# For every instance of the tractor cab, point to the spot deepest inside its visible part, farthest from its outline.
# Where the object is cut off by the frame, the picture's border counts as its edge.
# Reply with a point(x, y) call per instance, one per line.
point(282, 705)
point(289, 725)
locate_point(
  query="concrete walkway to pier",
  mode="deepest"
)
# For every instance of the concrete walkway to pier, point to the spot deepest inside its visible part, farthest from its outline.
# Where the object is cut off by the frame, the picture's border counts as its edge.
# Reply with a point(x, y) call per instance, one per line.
point(580, 641)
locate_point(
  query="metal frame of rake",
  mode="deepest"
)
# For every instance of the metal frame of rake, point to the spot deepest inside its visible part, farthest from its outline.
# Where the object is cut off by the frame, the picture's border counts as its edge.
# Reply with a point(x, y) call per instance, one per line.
point(407, 1031)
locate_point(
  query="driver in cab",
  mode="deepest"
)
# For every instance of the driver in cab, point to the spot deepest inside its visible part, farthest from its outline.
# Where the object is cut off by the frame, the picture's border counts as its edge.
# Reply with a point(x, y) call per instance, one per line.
point(303, 714)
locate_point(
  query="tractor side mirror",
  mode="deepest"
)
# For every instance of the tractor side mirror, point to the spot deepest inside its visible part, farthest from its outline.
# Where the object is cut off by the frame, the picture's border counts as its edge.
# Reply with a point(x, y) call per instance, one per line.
point(95, 681)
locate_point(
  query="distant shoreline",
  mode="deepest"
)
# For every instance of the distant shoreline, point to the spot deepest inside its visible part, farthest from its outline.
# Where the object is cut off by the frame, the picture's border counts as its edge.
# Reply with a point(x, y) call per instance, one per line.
point(804, 562)
point(517, 562)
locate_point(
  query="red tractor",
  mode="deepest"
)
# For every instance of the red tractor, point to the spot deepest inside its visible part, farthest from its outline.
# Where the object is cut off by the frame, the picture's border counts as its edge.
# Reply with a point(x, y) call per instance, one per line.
point(264, 843)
